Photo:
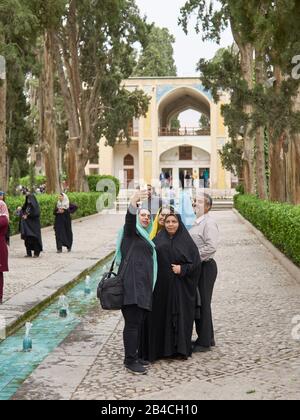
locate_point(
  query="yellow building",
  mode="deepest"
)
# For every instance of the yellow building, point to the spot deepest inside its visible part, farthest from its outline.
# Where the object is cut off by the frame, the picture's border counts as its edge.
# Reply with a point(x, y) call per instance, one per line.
point(156, 149)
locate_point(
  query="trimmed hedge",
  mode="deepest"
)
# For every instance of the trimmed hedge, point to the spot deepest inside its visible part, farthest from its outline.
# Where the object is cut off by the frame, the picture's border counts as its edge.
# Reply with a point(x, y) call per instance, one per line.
point(94, 179)
point(86, 203)
point(280, 223)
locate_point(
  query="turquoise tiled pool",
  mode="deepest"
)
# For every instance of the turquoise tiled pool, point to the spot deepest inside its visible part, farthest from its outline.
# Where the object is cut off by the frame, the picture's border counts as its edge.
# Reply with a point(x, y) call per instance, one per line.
point(47, 333)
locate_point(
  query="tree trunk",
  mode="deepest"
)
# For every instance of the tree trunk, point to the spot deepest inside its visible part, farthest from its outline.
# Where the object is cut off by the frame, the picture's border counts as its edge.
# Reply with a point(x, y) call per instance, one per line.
point(3, 146)
point(261, 178)
point(247, 65)
point(277, 151)
point(48, 123)
point(68, 66)
point(294, 161)
point(277, 170)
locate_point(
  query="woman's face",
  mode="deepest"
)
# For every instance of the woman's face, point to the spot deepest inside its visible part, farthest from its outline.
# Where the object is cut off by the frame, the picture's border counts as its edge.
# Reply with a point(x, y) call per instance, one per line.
point(61, 198)
point(164, 213)
point(172, 225)
point(145, 218)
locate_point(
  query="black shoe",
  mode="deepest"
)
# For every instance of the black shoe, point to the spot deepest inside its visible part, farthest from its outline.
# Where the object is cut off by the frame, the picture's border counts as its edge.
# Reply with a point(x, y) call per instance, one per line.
point(201, 349)
point(136, 368)
point(195, 343)
point(144, 363)
point(59, 251)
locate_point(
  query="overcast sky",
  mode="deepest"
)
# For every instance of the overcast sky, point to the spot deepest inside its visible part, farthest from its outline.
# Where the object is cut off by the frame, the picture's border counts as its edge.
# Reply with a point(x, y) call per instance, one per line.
point(188, 48)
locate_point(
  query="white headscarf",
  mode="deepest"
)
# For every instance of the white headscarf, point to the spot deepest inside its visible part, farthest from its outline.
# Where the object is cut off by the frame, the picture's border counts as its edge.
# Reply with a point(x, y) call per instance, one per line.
point(3, 209)
point(65, 204)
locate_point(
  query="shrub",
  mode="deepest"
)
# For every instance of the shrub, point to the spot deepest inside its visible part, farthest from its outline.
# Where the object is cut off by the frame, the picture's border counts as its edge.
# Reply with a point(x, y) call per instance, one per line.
point(94, 179)
point(280, 223)
point(86, 203)
point(39, 180)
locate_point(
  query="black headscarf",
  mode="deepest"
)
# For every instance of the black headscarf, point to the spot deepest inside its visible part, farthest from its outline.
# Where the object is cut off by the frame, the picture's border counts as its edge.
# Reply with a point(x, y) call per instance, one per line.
point(168, 330)
point(31, 227)
point(31, 206)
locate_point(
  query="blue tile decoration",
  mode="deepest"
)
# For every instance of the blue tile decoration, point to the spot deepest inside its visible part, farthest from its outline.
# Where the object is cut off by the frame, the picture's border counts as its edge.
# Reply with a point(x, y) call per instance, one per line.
point(47, 333)
point(162, 90)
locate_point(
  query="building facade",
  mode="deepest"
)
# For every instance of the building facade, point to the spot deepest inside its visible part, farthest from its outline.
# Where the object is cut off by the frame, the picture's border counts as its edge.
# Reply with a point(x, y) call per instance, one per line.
point(159, 152)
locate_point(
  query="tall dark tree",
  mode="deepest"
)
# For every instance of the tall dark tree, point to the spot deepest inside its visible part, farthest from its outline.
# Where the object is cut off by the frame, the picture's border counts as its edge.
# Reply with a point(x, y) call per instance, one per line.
point(93, 51)
point(157, 58)
point(17, 38)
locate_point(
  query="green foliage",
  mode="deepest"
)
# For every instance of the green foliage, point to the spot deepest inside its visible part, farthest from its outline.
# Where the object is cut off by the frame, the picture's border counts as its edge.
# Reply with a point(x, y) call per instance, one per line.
point(204, 122)
point(86, 203)
point(108, 32)
point(18, 28)
point(157, 58)
point(94, 179)
point(240, 189)
point(280, 223)
point(175, 124)
point(39, 180)
point(231, 157)
point(31, 177)
point(15, 177)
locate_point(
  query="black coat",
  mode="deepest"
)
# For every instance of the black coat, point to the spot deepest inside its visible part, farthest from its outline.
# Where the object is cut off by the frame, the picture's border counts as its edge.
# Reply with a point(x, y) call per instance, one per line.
point(138, 276)
point(168, 328)
point(31, 227)
point(63, 228)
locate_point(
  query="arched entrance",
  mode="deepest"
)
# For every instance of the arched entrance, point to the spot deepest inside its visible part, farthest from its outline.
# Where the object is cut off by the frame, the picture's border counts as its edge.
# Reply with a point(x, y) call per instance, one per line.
point(175, 103)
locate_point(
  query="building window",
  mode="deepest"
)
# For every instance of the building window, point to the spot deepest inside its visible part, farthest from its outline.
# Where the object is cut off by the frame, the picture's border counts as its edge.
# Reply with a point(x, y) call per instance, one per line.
point(185, 153)
point(128, 160)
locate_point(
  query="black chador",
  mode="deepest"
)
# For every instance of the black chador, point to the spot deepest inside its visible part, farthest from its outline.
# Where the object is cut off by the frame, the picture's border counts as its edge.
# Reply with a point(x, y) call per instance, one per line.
point(63, 225)
point(30, 226)
point(169, 327)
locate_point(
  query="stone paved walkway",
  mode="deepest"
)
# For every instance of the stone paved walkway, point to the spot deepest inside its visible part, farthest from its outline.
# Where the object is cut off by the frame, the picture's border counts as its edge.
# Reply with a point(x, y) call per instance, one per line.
point(256, 356)
point(94, 238)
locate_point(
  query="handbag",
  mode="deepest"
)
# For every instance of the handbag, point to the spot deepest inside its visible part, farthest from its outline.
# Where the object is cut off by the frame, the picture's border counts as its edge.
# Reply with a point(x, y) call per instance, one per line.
point(110, 290)
point(73, 208)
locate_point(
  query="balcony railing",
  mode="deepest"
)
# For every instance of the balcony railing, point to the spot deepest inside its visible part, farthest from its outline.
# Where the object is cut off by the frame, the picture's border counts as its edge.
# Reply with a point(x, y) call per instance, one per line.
point(180, 132)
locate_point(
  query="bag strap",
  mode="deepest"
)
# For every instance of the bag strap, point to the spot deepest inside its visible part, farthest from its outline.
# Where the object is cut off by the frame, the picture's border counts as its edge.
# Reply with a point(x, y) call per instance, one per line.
point(125, 262)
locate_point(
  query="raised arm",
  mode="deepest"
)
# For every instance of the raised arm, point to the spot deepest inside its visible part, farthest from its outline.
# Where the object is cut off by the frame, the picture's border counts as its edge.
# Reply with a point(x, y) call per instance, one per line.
point(130, 220)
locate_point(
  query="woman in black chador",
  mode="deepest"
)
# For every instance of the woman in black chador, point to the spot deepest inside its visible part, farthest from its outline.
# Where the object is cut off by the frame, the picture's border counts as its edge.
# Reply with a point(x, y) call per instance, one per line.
point(168, 329)
point(30, 226)
point(63, 224)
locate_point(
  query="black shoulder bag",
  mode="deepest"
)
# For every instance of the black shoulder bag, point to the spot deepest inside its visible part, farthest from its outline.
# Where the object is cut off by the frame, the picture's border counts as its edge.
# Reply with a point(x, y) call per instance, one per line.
point(110, 290)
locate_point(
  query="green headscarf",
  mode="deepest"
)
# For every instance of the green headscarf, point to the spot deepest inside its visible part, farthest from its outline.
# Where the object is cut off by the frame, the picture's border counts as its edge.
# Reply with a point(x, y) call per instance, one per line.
point(145, 234)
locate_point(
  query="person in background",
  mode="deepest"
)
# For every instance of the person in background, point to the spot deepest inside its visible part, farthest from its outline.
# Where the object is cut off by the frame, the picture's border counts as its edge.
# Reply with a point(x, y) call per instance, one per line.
point(205, 234)
point(159, 222)
point(30, 226)
point(154, 202)
point(7, 237)
point(63, 224)
point(4, 221)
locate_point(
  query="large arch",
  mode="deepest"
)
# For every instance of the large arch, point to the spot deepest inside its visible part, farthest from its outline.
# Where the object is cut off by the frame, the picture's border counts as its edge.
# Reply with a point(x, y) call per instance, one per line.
point(179, 100)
